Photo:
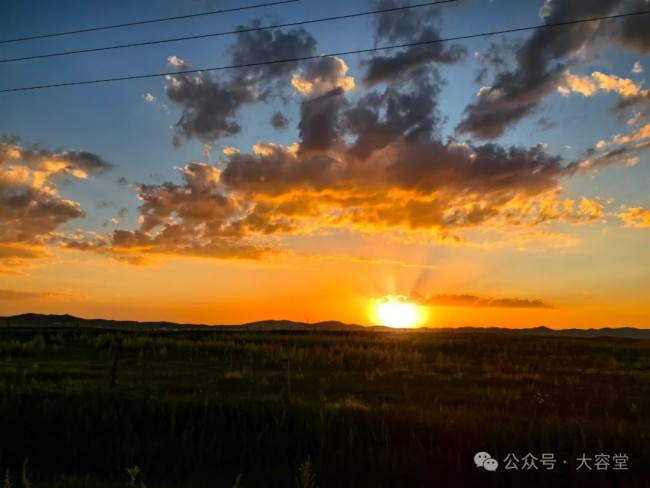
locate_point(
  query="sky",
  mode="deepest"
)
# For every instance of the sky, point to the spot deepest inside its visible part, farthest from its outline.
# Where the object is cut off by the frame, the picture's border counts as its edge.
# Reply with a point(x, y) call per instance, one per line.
point(494, 181)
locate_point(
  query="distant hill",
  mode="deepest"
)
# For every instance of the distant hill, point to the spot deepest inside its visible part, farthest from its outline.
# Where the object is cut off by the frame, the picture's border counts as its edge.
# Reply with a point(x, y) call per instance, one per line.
point(35, 320)
point(542, 331)
point(290, 325)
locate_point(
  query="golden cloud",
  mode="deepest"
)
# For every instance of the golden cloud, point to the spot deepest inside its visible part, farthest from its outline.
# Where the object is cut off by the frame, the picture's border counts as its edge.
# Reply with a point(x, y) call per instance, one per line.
point(31, 208)
point(588, 86)
point(479, 302)
point(636, 217)
point(321, 76)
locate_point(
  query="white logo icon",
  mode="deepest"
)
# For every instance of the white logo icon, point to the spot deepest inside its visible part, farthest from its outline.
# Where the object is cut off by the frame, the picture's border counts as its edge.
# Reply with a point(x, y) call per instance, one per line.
point(484, 460)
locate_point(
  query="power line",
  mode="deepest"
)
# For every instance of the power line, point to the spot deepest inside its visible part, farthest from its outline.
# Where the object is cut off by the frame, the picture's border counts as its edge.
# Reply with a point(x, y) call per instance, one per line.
point(307, 58)
point(151, 21)
point(237, 31)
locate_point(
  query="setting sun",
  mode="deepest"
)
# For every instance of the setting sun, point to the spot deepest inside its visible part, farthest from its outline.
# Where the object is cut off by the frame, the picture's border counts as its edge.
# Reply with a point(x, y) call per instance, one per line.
point(397, 312)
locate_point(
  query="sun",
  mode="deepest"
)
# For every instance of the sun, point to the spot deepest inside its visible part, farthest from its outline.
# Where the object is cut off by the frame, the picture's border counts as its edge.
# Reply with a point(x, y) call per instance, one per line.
point(397, 312)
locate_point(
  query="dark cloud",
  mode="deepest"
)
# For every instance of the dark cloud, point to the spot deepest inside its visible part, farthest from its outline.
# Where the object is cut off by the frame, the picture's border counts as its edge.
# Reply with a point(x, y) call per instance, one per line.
point(279, 121)
point(319, 120)
point(540, 63)
point(494, 59)
point(476, 301)
point(89, 162)
point(210, 106)
point(545, 124)
point(269, 45)
point(276, 170)
point(641, 101)
point(484, 170)
point(633, 31)
point(407, 26)
point(377, 119)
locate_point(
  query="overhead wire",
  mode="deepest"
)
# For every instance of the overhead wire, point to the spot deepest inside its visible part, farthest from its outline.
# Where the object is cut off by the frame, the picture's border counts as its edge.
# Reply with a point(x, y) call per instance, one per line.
point(225, 33)
point(338, 54)
point(150, 21)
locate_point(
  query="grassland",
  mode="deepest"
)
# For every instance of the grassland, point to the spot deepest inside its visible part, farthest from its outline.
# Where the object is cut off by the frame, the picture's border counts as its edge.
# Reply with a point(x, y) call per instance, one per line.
point(383, 409)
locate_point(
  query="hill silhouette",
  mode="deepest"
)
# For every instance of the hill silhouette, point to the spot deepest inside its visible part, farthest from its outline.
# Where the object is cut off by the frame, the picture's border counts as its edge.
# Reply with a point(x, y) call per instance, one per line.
point(46, 321)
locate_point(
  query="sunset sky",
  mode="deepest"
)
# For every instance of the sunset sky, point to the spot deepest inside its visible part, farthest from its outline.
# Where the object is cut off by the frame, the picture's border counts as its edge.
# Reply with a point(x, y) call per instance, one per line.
point(495, 181)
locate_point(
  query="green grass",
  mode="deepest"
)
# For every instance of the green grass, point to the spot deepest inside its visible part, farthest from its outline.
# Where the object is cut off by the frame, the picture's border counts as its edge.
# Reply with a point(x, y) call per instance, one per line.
point(205, 408)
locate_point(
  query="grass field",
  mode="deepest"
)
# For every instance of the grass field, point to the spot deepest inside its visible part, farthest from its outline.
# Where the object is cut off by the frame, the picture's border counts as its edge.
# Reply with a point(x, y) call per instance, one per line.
point(366, 409)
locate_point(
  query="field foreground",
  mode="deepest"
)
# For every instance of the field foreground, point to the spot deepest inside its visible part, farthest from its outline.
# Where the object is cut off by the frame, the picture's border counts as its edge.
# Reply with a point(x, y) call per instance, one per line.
point(211, 408)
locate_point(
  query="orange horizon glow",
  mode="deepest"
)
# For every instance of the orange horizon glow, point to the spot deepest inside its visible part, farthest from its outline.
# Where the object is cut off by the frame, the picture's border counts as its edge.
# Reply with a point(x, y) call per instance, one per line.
point(189, 290)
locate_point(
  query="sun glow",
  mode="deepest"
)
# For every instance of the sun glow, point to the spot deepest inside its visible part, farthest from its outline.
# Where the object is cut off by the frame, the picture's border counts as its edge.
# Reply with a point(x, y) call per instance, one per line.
point(397, 312)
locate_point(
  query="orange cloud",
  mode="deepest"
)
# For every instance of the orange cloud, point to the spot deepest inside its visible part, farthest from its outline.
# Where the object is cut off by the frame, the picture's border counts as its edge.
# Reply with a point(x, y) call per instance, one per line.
point(12, 295)
point(373, 164)
point(321, 76)
point(588, 86)
point(480, 302)
point(638, 135)
point(636, 217)
point(31, 209)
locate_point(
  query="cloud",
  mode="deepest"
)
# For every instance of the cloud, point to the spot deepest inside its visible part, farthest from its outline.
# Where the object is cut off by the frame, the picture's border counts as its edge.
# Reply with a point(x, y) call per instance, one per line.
point(638, 135)
point(479, 302)
point(407, 26)
point(379, 119)
point(632, 31)
point(31, 207)
point(210, 107)
point(323, 75)
point(13, 295)
point(540, 65)
point(622, 150)
point(279, 121)
point(319, 120)
point(176, 62)
point(116, 220)
point(637, 68)
point(151, 99)
point(494, 58)
point(635, 217)
point(269, 45)
point(365, 260)
point(410, 186)
point(635, 120)
point(192, 219)
point(374, 163)
point(439, 186)
point(630, 94)
point(545, 124)
point(588, 86)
